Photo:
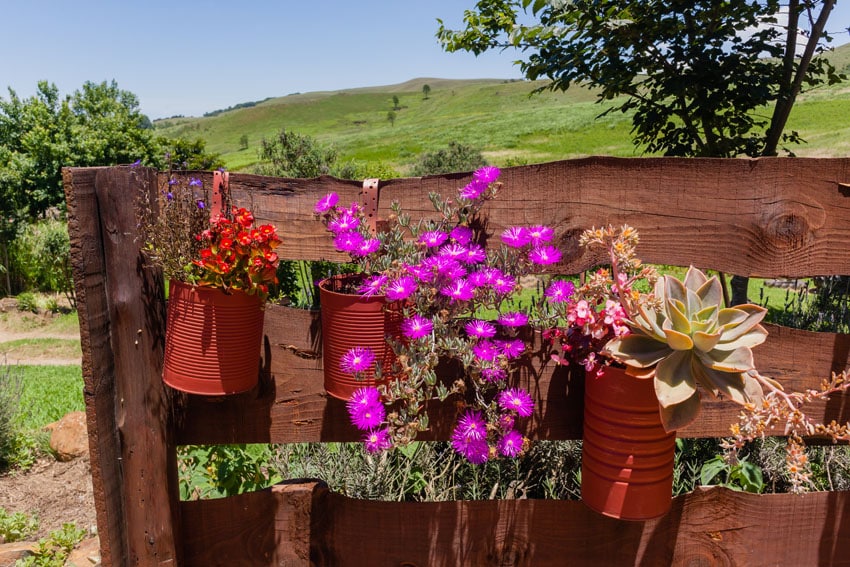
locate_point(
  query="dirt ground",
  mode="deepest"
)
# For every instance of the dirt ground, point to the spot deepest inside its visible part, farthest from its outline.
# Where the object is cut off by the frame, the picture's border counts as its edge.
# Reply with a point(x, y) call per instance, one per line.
point(56, 492)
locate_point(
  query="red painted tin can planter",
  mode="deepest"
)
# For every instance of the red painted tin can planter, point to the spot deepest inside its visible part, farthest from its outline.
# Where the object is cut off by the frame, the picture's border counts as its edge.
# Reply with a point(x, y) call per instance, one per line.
point(627, 456)
point(212, 340)
point(350, 320)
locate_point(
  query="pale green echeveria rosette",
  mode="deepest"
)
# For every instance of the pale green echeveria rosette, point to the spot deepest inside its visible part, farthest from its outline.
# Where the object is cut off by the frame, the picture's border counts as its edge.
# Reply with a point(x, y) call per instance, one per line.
point(684, 338)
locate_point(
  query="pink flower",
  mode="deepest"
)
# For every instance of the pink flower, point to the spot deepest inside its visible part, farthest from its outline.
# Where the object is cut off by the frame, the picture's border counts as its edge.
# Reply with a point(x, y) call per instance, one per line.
point(487, 174)
point(510, 445)
point(544, 255)
point(364, 397)
point(372, 285)
point(503, 283)
point(471, 426)
point(518, 400)
point(326, 203)
point(348, 241)
point(493, 374)
point(377, 440)
point(459, 290)
point(416, 327)
point(473, 189)
point(513, 319)
point(511, 349)
point(474, 254)
point(368, 417)
point(481, 329)
point(420, 272)
point(516, 236)
point(356, 360)
point(485, 350)
point(344, 222)
point(368, 246)
point(540, 233)
point(476, 451)
point(455, 251)
point(462, 235)
point(400, 288)
point(432, 238)
point(559, 291)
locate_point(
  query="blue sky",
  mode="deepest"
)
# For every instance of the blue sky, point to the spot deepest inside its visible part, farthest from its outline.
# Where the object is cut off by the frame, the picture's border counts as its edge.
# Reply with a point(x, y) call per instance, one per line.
point(182, 57)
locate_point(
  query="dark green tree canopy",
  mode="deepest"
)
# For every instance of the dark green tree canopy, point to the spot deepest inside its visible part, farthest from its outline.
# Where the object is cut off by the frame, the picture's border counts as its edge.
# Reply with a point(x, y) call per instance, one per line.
point(699, 77)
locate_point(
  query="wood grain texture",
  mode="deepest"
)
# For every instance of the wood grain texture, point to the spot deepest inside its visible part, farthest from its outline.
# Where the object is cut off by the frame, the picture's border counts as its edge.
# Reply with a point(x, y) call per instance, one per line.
point(135, 298)
point(769, 217)
point(709, 527)
point(97, 363)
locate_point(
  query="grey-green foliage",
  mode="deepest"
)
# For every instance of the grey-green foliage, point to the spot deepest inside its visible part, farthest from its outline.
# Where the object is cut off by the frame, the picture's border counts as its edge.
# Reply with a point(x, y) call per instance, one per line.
point(11, 383)
point(54, 550)
point(455, 157)
point(16, 526)
point(426, 471)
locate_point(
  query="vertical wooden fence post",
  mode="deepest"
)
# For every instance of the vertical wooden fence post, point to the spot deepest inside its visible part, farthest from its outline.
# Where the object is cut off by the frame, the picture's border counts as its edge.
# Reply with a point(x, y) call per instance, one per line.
point(128, 408)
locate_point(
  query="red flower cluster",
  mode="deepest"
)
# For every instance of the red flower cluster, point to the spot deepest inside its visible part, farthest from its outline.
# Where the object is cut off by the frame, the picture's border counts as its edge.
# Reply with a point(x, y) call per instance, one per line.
point(238, 256)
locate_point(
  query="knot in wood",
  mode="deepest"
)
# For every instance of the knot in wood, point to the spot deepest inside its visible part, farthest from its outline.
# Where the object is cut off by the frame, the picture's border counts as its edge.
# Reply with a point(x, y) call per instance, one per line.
point(787, 229)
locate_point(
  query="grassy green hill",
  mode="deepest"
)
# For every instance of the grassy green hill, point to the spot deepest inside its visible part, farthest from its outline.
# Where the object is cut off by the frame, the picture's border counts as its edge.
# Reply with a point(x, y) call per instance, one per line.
point(502, 118)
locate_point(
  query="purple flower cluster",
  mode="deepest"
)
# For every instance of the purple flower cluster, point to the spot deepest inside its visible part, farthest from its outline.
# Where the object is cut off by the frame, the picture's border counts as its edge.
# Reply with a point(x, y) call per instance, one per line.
point(367, 413)
point(472, 436)
point(444, 278)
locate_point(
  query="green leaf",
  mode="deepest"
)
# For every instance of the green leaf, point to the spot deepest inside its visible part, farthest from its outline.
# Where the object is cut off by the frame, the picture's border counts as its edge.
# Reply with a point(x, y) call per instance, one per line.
point(637, 350)
point(710, 470)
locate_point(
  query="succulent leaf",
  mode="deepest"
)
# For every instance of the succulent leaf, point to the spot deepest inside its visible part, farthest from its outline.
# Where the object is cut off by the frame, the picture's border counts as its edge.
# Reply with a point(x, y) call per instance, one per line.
point(680, 415)
point(694, 278)
point(637, 350)
point(706, 341)
point(678, 319)
point(673, 379)
point(711, 292)
point(678, 341)
point(755, 337)
point(754, 316)
point(738, 360)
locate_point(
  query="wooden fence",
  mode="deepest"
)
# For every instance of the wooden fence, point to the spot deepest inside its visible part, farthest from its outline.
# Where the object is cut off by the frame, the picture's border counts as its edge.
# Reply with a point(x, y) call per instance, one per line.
point(770, 217)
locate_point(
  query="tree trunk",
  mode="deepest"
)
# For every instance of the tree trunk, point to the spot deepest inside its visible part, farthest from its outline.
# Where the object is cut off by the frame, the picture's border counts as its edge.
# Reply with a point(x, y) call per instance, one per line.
point(739, 286)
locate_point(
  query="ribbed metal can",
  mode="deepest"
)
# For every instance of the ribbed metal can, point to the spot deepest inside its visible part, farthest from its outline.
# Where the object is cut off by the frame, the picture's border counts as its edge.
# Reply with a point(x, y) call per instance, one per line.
point(212, 340)
point(627, 456)
point(350, 320)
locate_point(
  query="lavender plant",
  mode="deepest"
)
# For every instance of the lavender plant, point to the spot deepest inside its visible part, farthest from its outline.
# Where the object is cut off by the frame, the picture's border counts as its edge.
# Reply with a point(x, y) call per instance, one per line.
point(458, 298)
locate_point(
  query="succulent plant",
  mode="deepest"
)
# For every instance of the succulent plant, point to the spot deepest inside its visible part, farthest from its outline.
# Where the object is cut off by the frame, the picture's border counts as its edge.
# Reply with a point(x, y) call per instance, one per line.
point(682, 337)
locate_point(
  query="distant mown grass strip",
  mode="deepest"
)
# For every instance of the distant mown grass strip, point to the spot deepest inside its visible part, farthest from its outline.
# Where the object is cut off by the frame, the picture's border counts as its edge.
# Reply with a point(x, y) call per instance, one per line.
point(29, 348)
point(49, 392)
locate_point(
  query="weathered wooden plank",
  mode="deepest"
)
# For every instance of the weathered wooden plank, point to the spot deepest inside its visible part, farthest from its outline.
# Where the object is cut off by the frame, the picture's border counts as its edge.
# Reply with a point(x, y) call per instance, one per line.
point(290, 404)
point(276, 526)
point(135, 298)
point(768, 217)
point(97, 362)
point(713, 526)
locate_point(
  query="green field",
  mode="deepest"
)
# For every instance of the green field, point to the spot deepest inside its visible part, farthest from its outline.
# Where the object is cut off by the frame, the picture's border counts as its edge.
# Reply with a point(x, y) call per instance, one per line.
point(502, 118)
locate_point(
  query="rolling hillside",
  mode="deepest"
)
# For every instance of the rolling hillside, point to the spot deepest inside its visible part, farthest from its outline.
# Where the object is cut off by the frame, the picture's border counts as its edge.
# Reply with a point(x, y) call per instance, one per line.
point(502, 118)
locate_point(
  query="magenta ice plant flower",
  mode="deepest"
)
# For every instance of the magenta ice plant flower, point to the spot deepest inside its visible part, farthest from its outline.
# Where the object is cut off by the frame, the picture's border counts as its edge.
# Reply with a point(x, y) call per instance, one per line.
point(503, 283)
point(485, 350)
point(544, 255)
point(367, 247)
point(453, 250)
point(513, 319)
point(366, 418)
point(512, 348)
point(459, 290)
point(510, 444)
point(471, 426)
point(326, 203)
point(493, 374)
point(372, 285)
point(400, 288)
point(473, 189)
point(416, 327)
point(480, 329)
point(516, 236)
point(540, 234)
point(559, 291)
point(487, 174)
point(475, 254)
point(356, 360)
point(462, 235)
point(433, 238)
point(518, 400)
point(344, 222)
point(348, 241)
point(377, 440)
point(363, 397)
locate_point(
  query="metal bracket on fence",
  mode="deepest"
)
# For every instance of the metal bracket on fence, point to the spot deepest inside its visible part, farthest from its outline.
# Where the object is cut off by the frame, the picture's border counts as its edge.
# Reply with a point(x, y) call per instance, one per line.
point(369, 199)
point(221, 184)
